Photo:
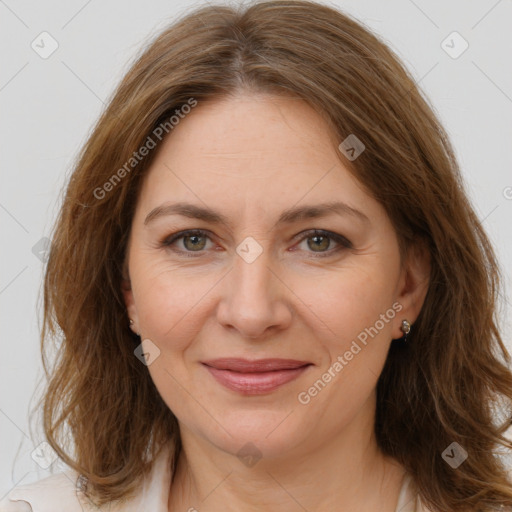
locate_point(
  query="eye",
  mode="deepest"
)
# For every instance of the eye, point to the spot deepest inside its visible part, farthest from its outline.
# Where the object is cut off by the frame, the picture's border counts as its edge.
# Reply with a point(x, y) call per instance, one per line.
point(192, 240)
point(318, 241)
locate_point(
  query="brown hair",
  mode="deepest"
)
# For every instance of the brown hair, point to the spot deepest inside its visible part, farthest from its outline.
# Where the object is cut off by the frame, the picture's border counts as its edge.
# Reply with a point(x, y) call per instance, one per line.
point(102, 412)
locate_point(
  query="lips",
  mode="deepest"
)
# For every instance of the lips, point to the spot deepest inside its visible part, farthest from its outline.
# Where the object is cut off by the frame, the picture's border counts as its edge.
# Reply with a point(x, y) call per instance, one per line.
point(255, 366)
point(257, 376)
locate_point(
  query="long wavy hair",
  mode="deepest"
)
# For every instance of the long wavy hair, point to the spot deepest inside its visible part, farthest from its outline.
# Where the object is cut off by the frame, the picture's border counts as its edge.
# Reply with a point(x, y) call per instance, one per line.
point(451, 382)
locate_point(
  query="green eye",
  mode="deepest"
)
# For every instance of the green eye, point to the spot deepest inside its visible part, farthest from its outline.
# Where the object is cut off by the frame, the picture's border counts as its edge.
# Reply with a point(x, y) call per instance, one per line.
point(318, 242)
point(194, 242)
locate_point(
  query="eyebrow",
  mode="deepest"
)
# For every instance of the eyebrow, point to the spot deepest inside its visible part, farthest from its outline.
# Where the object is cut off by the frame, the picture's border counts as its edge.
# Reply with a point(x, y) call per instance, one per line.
point(289, 216)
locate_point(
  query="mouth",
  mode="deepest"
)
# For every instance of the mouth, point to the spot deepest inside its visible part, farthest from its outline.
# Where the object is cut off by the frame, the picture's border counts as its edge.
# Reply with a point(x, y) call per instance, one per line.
point(255, 377)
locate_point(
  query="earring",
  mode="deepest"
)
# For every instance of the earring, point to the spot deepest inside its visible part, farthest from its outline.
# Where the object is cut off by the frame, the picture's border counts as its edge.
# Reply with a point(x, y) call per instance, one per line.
point(131, 327)
point(406, 328)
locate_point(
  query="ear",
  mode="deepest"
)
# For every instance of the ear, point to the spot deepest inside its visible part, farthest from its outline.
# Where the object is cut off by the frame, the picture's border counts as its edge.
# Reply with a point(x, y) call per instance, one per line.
point(413, 285)
point(131, 309)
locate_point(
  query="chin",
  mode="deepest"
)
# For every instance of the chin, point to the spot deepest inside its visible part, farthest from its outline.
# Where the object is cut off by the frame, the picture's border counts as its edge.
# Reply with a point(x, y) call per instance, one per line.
point(257, 433)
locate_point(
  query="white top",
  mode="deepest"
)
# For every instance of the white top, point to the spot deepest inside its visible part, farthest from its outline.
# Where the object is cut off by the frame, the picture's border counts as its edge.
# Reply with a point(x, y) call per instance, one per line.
point(58, 493)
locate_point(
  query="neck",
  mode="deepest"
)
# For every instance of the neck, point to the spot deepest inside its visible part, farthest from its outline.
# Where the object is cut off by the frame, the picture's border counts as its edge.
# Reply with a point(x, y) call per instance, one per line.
point(346, 472)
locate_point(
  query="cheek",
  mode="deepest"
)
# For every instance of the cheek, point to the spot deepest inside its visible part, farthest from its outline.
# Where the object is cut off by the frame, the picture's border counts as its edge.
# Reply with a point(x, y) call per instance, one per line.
point(352, 321)
point(353, 311)
point(342, 304)
point(167, 302)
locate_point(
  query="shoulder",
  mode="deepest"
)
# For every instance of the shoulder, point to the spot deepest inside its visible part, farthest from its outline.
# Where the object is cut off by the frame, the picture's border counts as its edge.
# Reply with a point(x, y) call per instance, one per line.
point(54, 493)
point(62, 493)
point(409, 499)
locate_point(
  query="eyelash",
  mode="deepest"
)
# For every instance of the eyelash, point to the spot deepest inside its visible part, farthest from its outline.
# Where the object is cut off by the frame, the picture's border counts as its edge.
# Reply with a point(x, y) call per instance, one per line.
point(341, 240)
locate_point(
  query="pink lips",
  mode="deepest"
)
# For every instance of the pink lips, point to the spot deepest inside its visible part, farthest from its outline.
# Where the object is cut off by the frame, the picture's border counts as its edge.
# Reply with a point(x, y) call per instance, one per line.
point(255, 377)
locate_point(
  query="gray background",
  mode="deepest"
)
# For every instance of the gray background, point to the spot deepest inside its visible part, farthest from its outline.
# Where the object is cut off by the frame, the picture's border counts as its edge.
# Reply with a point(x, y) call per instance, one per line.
point(48, 107)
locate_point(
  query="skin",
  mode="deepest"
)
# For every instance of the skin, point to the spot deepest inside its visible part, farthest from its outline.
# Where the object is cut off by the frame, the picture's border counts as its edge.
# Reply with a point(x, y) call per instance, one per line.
point(250, 157)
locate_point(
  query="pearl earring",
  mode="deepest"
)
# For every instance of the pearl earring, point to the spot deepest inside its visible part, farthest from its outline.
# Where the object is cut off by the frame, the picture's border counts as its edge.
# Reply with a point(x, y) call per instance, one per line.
point(405, 328)
point(132, 323)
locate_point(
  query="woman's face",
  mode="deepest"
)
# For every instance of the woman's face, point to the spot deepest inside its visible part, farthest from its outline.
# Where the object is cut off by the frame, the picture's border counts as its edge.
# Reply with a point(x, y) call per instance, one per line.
point(260, 284)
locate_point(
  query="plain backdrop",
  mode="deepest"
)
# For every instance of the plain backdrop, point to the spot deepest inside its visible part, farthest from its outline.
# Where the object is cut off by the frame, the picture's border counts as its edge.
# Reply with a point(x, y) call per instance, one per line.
point(48, 106)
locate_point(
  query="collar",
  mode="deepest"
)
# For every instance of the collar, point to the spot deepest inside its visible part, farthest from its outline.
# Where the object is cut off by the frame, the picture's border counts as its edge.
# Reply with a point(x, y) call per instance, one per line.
point(60, 492)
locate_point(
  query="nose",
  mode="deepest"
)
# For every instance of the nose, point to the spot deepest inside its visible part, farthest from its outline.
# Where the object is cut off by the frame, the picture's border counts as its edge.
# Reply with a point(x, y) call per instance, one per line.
point(255, 300)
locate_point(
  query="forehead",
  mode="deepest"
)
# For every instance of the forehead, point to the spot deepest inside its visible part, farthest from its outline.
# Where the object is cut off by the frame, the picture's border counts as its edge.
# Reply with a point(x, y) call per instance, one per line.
point(255, 150)
point(258, 130)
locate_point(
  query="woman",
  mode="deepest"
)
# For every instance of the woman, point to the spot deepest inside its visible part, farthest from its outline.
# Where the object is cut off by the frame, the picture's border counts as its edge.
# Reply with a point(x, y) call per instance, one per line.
point(271, 288)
